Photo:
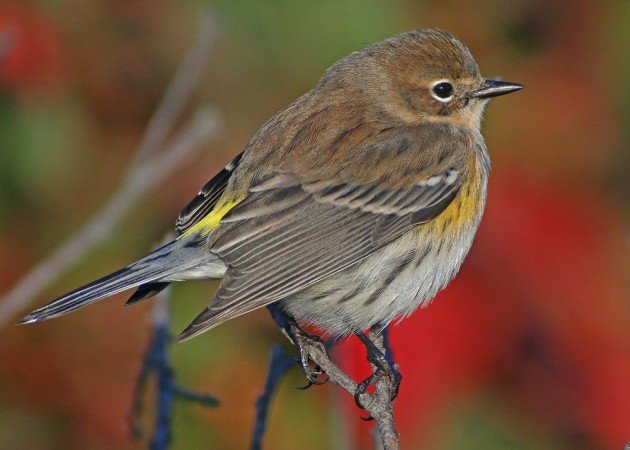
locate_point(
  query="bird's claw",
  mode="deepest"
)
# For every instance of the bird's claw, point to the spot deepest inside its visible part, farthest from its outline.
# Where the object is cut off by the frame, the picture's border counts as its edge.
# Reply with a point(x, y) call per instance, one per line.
point(383, 368)
point(392, 373)
point(304, 341)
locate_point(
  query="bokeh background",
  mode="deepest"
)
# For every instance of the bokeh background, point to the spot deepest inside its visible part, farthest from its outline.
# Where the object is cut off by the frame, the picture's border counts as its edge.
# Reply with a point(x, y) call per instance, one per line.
point(529, 348)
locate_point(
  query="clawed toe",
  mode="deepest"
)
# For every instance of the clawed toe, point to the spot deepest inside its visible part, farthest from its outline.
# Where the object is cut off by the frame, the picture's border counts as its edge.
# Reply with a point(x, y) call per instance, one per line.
point(304, 341)
point(362, 388)
point(396, 378)
point(391, 372)
point(383, 368)
point(313, 373)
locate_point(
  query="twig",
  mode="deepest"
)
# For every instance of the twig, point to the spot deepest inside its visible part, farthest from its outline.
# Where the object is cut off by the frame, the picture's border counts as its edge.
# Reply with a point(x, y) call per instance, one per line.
point(178, 92)
point(157, 362)
point(144, 173)
point(383, 411)
point(378, 405)
point(279, 365)
point(165, 391)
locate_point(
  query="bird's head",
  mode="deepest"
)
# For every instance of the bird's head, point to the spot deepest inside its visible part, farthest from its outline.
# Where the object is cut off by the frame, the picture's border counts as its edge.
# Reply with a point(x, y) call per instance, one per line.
point(428, 75)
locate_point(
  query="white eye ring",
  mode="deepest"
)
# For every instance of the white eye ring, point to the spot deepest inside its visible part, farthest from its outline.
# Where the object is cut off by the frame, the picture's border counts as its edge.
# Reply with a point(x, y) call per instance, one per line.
point(447, 84)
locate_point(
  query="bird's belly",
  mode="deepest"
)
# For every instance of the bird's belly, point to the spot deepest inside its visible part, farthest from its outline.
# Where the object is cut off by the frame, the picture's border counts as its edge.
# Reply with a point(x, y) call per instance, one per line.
point(389, 284)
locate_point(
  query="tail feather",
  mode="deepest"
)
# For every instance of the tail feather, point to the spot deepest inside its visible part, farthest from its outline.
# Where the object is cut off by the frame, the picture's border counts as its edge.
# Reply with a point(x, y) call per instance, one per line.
point(164, 263)
point(114, 283)
point(146, 291)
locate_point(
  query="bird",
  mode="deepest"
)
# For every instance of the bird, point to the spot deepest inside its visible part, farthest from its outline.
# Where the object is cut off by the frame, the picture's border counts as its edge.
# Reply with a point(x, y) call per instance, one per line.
point(348, 209)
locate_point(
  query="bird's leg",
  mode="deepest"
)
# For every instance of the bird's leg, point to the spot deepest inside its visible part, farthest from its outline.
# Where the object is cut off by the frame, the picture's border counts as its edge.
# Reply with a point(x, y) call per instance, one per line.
point(304, 342)
point(383, 367)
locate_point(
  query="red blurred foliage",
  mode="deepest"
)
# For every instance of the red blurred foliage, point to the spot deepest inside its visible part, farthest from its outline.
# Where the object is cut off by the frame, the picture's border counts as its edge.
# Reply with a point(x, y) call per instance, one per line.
point(32, 44)
point(533, 312)
point(536, 315)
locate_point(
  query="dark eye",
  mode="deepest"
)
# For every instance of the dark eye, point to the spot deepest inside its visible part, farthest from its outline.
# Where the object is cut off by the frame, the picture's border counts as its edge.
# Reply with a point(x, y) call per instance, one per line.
point(443, 90)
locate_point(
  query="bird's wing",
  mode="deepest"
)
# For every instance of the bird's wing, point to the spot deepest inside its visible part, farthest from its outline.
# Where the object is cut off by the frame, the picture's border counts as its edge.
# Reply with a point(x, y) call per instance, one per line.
point(206, 199)
point(290, 233)
point(197, 209)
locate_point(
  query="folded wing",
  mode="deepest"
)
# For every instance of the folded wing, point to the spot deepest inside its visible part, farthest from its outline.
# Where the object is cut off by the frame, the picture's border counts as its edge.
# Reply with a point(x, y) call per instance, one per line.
point(290, 233)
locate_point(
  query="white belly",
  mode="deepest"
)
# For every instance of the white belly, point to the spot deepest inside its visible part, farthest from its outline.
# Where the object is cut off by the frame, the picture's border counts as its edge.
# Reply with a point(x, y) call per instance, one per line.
point(389, 284)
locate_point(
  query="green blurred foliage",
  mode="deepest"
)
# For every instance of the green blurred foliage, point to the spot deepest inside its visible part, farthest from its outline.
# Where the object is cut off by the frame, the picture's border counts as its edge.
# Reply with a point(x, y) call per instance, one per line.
point(480, 422)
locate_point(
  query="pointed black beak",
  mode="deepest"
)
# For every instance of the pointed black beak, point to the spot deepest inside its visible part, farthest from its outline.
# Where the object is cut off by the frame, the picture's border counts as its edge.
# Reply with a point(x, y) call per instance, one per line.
point(494, 88)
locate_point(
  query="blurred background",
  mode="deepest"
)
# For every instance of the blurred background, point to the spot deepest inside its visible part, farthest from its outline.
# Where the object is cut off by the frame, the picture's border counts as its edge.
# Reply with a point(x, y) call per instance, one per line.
point(529, 348)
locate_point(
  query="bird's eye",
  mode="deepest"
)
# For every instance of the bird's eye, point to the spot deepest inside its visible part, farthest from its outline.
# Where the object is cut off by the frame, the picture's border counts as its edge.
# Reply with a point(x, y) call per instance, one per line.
point(443, 91)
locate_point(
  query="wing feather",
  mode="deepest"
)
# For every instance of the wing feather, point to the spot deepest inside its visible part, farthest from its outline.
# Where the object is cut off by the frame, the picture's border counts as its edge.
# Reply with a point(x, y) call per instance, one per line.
point(197, 209)
point(304, 220)
point(206, 199)
point(311, 238)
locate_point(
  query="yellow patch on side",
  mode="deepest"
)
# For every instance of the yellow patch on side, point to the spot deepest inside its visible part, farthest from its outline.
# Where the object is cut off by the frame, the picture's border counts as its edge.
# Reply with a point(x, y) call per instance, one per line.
point(210, 222)
point(464, 209)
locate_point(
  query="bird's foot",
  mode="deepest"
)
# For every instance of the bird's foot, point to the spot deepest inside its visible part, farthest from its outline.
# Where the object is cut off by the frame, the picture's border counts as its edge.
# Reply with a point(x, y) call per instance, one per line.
point(383, 368)
point(391, 373)
point(306, 344)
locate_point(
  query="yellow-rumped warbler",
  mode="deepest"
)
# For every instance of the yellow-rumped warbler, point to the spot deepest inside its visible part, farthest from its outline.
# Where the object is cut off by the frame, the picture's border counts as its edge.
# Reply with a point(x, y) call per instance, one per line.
point(351, 207)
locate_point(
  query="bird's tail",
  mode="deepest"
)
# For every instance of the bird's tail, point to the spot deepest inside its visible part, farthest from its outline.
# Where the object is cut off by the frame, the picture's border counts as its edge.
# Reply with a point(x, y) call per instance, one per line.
point(169, 262)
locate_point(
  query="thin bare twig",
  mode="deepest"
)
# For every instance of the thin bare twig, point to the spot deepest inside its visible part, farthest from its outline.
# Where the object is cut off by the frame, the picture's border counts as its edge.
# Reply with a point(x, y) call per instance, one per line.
point(178, 92)
point(279, 365)
point(378, 405)
point(157, 364)
point(383, 411)
point(144, 174)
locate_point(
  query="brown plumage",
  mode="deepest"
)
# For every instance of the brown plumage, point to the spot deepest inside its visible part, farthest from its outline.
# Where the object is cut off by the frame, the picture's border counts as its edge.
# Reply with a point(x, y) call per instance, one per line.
point(351, 207)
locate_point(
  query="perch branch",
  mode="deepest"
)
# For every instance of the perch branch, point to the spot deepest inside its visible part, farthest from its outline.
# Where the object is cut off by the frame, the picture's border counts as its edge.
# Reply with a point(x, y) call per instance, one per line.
point(279, 365)
point(157, 363)
point(378, 405)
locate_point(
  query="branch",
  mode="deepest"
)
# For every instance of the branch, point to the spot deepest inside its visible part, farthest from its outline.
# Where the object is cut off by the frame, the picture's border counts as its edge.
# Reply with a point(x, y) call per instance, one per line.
point(383, 410)
point(279, 365)
point(157, 362)
point(144, 174)
point(378, 404)
point(183, 84)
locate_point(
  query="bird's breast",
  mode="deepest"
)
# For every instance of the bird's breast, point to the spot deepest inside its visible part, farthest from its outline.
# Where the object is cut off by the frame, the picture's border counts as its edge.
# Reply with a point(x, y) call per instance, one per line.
point(401, 276)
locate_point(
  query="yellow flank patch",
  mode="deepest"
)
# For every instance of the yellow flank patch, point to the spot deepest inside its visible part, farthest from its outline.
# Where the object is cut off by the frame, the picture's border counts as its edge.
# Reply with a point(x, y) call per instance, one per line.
point(464, 208)
point(210, 222)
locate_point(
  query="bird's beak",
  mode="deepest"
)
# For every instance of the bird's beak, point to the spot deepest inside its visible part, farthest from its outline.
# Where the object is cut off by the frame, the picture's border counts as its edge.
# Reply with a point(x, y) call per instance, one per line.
point(494, 88)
